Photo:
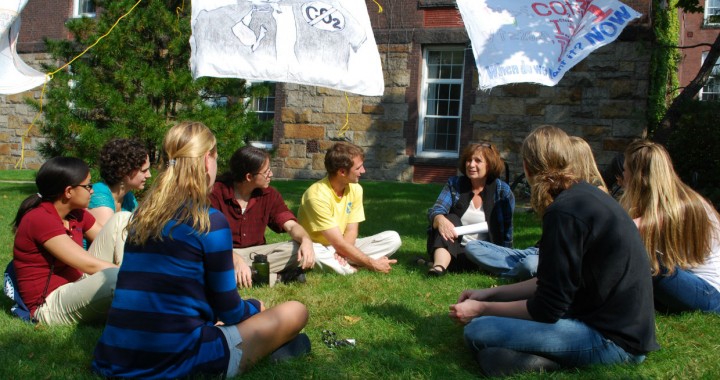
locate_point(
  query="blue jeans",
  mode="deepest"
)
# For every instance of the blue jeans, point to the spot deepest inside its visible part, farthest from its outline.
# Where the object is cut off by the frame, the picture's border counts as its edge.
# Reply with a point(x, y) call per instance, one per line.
point(684, 291)
point(519, 264)
point(569, 342)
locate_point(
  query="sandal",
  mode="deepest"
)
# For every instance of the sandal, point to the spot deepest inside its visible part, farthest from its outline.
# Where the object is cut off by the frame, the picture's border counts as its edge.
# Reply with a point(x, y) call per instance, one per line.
point(422, 261)
point(437, 271)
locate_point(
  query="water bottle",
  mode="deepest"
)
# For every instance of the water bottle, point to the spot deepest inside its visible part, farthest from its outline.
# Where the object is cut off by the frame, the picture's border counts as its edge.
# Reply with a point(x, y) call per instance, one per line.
point(261, 270)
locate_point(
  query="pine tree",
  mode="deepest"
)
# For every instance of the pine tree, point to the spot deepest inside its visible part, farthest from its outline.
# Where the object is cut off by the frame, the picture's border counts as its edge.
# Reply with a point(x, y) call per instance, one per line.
point(135, 82)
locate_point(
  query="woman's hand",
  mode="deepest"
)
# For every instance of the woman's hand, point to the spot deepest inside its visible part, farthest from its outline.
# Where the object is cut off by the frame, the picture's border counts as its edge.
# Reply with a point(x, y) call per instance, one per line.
point(243, 273)
point(476, 294)
point(464, 312)
point(446, 228)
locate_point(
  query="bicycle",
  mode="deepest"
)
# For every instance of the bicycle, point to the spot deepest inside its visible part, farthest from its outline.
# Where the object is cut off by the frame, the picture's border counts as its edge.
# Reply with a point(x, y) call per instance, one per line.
point(520, 188)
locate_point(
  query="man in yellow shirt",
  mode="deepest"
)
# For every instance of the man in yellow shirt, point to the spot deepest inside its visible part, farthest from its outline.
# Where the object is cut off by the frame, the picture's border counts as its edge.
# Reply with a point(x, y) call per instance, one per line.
point(331, 211)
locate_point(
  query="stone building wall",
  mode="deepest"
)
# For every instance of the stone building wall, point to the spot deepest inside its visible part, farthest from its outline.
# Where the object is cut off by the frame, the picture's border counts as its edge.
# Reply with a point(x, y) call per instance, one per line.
point(602, 99)
point(16, 117)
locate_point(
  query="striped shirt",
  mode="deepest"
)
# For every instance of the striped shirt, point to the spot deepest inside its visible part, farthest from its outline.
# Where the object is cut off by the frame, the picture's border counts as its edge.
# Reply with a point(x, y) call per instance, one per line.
point(168, 297)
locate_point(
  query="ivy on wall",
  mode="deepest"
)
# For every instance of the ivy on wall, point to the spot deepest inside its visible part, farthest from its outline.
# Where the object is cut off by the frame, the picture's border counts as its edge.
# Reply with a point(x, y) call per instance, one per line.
point(664, 61)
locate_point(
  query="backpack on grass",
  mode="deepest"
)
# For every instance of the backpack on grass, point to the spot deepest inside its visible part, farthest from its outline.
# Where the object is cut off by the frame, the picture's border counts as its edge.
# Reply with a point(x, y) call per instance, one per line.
point(19, 310)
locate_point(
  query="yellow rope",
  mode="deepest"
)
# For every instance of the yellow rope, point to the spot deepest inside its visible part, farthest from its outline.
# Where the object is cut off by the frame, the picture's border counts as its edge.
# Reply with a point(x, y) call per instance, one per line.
point(380, 9)
point(179, 10)
point(49, 77)
point(347, 118)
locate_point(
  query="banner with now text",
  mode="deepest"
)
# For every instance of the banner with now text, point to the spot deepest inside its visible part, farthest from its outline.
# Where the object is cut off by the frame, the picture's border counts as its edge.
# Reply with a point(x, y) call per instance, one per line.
point(538, 41)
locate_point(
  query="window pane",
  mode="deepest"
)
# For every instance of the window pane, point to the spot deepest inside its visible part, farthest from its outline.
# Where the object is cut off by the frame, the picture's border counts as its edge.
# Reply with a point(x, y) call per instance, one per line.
point(441, 134)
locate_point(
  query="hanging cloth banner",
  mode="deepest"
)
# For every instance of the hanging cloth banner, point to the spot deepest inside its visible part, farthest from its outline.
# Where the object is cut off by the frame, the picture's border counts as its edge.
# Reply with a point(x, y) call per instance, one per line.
point(15, 75)
point(538, 41)
point(326, 43)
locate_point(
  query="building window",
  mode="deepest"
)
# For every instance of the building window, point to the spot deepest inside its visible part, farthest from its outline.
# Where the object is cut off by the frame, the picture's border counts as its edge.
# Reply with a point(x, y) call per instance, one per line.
point(262, 103)
point(441, 101)
point(84, 8)
point(711, 89)
point(712, 12)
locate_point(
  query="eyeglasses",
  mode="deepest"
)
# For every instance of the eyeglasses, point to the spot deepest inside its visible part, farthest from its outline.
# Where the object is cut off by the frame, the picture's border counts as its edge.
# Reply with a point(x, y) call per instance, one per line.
point(87, 187)
point(266, 173)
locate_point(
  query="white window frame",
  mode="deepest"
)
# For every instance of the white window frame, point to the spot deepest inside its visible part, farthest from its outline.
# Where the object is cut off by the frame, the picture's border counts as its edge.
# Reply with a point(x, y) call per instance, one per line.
point(254, 105)
point(713, 82)
point(76, 9)
point(712, 8)
point(423, 116)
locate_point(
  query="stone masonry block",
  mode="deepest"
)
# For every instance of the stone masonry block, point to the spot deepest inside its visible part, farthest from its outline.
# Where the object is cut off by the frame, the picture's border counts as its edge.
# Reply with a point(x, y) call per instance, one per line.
point(339, 104)
point(304, 131)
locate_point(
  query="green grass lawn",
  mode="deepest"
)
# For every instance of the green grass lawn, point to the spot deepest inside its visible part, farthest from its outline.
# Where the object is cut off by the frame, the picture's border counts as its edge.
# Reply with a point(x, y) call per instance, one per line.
point(399, 320)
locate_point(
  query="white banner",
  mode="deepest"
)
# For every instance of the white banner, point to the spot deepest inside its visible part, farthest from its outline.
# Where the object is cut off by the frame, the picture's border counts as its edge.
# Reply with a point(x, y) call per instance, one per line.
point(15, 75)
point(326, 43)
point(538, 41)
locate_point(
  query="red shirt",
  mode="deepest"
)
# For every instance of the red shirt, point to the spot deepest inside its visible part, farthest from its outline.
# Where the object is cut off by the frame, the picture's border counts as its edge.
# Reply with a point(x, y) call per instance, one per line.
point(266, 208)
point(33, 261)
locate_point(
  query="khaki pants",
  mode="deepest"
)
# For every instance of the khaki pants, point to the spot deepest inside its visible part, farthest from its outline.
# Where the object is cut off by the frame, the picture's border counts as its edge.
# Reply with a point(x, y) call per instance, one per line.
point(109, 245)
point(376, 246)
point(85, 300)
point(281, 256)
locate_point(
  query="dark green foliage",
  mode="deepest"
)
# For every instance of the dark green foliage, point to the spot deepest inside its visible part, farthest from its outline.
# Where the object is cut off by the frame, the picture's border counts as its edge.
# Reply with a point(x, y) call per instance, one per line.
point(135, 82)
point(664, 60)
point(695, 147)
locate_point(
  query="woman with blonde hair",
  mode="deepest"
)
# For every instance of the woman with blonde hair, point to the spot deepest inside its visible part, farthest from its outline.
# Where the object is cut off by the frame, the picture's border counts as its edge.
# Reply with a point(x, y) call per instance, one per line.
point(591, 302)
point(521, 264)
point(680, 229)
point(176, 311)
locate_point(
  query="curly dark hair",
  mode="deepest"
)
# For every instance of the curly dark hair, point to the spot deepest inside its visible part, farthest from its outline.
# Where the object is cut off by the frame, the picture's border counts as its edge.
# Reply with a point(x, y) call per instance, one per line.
point(119, 157)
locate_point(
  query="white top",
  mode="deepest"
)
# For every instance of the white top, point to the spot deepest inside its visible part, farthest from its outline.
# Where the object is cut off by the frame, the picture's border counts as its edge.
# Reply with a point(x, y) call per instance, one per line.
point(473, 216)
point(710, 270)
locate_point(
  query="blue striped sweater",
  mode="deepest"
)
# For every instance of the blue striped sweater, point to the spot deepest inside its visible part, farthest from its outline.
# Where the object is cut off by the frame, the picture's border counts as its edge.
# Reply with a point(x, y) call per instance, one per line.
point(169, 295)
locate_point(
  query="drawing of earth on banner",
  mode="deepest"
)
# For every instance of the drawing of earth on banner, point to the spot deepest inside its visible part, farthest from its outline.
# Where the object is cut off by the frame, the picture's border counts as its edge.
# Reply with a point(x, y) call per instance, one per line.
point(15, 75)
point(538, 41)
point(326, 43)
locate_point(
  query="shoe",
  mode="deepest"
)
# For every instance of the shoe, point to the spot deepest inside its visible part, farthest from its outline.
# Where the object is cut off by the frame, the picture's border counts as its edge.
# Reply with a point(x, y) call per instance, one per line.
point(292, 275)
point(496, 361)
point(437, 271)
point(422, 261)
point(296, 347)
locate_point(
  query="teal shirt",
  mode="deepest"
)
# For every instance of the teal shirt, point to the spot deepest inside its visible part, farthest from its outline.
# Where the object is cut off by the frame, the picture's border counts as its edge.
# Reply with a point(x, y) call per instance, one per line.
point(102, 197)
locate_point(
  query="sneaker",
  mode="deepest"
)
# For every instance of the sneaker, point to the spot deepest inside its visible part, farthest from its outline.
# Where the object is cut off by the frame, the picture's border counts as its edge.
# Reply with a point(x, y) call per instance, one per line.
point(292, 275)
point(496, 361)
point(298, 346)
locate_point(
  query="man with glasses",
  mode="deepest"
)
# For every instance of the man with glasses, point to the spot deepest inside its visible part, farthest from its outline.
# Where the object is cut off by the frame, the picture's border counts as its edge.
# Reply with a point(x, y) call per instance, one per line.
point(251, 205)
point(331, 211)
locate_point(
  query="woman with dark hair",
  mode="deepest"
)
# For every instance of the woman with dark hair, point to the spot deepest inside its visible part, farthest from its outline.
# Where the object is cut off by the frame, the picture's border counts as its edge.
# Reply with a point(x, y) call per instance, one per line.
point(591, 302)
point(250, 205)
point(478, 197)
point(124, 167)
point(58, 281)
point(177, 312)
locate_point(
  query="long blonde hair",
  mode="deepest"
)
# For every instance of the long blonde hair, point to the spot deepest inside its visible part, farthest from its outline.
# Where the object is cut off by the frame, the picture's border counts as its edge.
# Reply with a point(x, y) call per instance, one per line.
point(547, 160)
point(675, 221)
point(583, 162)
point(181, 190)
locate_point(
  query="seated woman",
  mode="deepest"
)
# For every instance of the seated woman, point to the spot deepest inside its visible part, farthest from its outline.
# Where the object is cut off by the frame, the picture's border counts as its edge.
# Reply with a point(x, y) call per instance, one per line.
point(124, 167)
point(680, 229)
point(176, 311)
point(477, 196)
point(250, 205)
point(591, 302)
point(521, 264)
point(57, 279)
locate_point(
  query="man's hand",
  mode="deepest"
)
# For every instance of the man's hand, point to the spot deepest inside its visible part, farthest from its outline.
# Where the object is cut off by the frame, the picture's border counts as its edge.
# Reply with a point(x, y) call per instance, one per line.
point(306, 254)
point(382, 264)
point(243, 273)
point(465, 311)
